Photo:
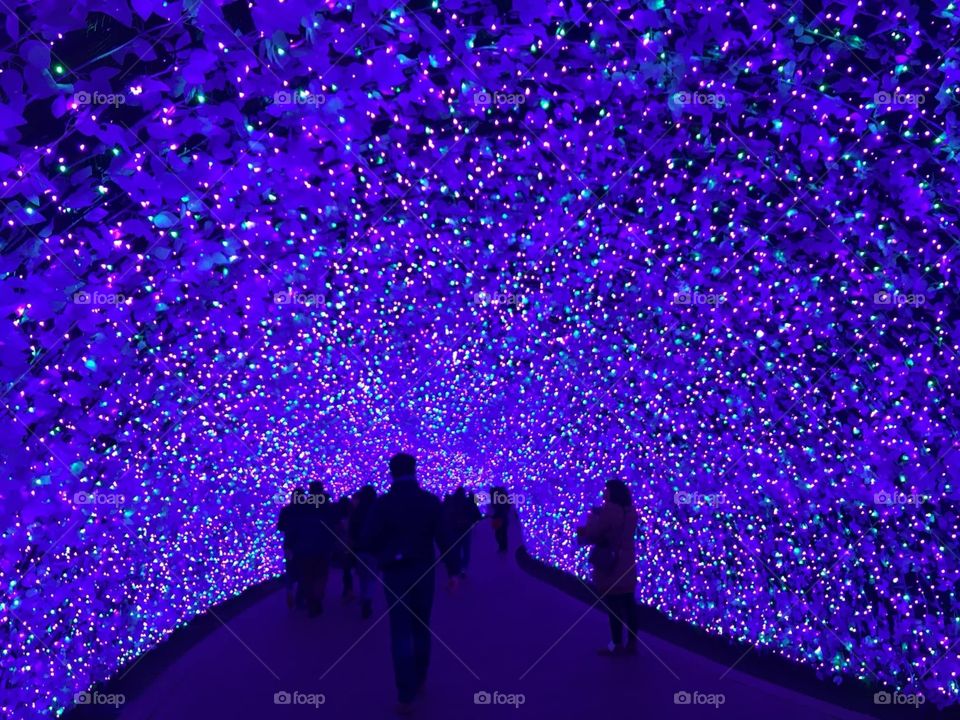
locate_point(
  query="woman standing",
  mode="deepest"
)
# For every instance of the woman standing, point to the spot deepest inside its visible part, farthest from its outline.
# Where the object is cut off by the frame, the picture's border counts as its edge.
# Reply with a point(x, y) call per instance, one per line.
point(611, 529)
point(500, 514)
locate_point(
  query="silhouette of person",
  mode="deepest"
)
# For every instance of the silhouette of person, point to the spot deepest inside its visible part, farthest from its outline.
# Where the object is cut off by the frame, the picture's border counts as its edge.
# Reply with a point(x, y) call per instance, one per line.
point(500, 512)
point(402, 530)
point(363, 501)
point(611, 529)
point(458, 516)
point(315, 538)
point(343, 554)
point(286, 524)
point(468, 539)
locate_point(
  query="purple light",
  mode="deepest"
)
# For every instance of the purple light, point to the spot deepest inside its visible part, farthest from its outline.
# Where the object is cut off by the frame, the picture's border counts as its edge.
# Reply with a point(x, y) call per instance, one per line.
point(708, 247)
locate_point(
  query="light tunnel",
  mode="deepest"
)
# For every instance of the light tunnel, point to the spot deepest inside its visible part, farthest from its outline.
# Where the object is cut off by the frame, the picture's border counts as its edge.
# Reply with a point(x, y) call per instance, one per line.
point(704, 247)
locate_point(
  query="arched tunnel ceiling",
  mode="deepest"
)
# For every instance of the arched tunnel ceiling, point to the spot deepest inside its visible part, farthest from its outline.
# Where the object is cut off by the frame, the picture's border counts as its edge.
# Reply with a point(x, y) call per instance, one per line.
point(707, 247)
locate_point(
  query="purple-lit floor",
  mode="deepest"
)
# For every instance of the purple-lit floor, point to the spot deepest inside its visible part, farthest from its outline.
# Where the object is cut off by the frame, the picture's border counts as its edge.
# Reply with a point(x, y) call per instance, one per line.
point(502, 631)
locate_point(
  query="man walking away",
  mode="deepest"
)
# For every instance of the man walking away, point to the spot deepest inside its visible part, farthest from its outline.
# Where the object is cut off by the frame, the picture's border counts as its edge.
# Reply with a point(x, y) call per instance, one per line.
point(458, 516)
point(315, 539)
point(402, 531)
point(363, 500)
point(286, 524)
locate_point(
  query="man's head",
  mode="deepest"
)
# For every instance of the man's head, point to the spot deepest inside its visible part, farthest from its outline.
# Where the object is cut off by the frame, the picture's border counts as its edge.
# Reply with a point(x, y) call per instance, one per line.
point(616, 491)
point(403, 467)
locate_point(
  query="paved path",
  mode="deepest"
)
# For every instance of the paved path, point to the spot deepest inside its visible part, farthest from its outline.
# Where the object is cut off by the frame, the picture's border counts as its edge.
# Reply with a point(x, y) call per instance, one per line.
point(502, 631)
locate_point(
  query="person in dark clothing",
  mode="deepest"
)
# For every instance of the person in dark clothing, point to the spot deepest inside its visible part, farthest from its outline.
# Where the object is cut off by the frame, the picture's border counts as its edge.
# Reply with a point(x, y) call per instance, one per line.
point(363, 500)
point(469, 538)
point(343, 555)
point(448, 538)
point(458, 516)
point(500, 512)
point(314, 531)
point(402, 530)
point(286, 525)
point(611, 529)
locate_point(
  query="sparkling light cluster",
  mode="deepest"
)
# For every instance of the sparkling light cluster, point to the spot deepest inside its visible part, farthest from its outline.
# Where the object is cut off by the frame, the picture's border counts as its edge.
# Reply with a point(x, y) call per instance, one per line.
point(708, 246)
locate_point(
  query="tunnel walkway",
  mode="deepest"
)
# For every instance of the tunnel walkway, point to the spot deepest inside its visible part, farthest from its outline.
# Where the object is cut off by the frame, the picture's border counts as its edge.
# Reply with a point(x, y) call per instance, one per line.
point(502, 631)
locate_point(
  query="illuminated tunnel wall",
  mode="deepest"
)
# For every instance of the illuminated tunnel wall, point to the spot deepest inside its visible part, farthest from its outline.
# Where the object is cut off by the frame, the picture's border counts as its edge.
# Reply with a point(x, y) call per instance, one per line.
point(709, 247)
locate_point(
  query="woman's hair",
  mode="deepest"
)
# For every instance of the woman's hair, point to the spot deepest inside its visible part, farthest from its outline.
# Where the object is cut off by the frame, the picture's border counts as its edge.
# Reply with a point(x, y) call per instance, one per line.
point(619, 492)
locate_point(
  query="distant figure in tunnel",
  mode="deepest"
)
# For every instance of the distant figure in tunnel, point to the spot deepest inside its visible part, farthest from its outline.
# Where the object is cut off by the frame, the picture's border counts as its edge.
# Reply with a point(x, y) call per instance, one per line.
point(500, 514)
point(286, 525)
point(343, 554)
point(363, 501)
point(314, 530)
point(402, 530)
point(611, 529)
point(458, 516)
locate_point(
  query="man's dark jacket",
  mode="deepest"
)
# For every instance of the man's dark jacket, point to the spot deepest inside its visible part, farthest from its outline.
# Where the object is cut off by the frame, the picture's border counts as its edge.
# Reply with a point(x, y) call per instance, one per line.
point(403, 527)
